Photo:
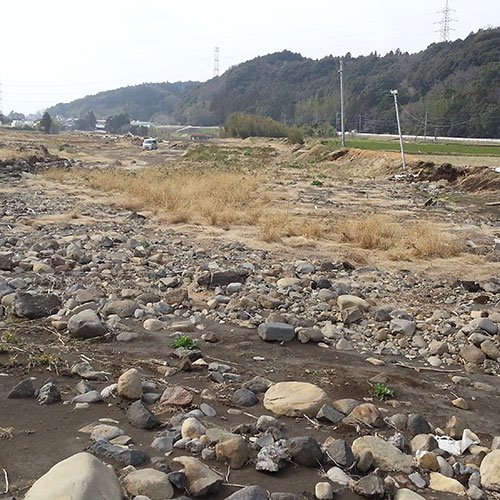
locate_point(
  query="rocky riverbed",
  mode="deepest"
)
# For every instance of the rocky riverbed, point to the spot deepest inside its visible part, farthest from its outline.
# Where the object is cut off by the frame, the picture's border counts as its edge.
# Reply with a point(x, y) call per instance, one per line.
point(201, 368)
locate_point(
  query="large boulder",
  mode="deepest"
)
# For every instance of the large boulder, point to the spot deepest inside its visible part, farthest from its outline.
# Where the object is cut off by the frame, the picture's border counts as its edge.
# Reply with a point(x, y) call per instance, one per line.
point(490, 471)
point(85, 325)
point(282, 332)
point(34, 306)
point(385, 455)
point(200, 479)
point(295, 399)
point(130, 384)
point(149, 482)
point(79, 477)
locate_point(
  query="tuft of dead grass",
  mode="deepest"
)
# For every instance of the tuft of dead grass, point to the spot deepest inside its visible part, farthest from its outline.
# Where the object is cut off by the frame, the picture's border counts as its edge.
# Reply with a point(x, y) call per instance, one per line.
point(401, 240)
point(218, 198)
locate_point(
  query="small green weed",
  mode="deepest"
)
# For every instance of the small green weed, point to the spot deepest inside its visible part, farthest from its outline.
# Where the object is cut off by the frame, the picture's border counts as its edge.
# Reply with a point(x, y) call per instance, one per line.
point(294, 165)
point(9, 337)
point(4, 349)
point(45, 358)
point(185, 342)
point(381, 392)
point(146, 244)
point(316, 183)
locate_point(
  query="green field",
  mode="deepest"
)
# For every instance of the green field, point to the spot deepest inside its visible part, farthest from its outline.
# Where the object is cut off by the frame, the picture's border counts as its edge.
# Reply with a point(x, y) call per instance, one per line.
point(415, 147)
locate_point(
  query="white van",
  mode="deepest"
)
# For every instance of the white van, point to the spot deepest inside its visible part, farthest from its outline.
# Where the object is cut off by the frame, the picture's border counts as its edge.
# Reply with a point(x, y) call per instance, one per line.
point(150, 144)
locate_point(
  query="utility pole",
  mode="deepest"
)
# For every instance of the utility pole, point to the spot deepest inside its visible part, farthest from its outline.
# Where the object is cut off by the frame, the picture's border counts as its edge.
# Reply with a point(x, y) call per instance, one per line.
point(425, 125)
point(341, 71)
point(395, 94)
point(216, 62)
point(359, 128)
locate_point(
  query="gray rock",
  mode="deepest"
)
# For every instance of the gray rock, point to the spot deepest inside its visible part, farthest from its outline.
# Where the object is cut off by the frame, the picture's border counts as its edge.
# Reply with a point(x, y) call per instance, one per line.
point(49, 394)
point(24, 389)
point(281, 332)
point(222, 278)
point(208, 410)
point(472, 354)
point(6, 263)
point(370, 486)
point(402, 327)
point(273, 458)
point(244, 397)
point(89, 397)
point(249, 493)
point(121, 454)
point(123, 308)
point(486, 325)
point(140, 416)
point(418, 424)
point(26, 305)
point(329, 414)
point(305, 451)
point(383, 313)
point(86, 324)
point(163, 444)
point(150, 482)
point(365, 461)
point(178, 479)
point(340, 453)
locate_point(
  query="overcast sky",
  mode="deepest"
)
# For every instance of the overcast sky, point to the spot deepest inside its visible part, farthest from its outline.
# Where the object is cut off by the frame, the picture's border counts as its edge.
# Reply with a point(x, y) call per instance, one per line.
point(59, 50)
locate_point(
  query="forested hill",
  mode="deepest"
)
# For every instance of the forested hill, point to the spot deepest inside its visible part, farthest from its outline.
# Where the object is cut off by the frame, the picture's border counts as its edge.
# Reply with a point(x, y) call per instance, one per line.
point(457, 84)
point(148, 101)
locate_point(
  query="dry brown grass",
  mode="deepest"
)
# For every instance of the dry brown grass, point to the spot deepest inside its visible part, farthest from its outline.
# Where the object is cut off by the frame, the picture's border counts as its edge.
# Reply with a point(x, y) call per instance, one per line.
point(222, 198)
point(401, 240)
point(215, 197)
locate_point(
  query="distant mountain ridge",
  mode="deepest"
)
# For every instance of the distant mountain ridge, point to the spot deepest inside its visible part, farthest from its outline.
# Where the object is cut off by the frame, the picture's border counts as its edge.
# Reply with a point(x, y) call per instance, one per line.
point(456, 84)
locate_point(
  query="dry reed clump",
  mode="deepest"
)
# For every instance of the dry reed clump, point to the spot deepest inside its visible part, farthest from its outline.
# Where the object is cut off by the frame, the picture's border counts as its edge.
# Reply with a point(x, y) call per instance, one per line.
point(217, 197)
point(279, 224)
point(400, 240)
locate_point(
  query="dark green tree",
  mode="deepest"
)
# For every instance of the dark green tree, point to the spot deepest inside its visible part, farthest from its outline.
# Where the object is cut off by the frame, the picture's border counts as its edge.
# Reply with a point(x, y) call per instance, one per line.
point(117, 123)
point(45, 123)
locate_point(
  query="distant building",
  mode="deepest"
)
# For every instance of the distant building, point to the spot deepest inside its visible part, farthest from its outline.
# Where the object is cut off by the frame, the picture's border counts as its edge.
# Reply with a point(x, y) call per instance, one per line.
point(199, 137)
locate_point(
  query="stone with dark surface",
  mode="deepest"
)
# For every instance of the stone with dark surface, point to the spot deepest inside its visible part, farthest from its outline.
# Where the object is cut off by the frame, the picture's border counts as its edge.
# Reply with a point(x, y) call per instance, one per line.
point(339, 452)
point(418, 424)
point(305, 451)
point(281, 332)
point(49, 394)
point(121, 454)
point(24, 389)
point(222, 278)
point(244, 397)
point(26, 305)
point(140, 416)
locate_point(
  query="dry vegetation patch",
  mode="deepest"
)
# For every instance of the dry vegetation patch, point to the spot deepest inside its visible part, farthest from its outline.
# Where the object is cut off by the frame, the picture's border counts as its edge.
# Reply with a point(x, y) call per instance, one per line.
point(195, 197)
point(401, 240)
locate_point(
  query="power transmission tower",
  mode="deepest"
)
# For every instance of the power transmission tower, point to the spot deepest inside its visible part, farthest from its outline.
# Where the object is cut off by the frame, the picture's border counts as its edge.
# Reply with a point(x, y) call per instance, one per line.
point(216, 62)
point(445, 23)
point(341, 72)
point(395, 94)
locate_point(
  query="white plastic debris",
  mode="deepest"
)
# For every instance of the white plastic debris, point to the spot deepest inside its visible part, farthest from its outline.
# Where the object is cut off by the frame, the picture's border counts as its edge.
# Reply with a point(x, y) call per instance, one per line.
point(455, 447)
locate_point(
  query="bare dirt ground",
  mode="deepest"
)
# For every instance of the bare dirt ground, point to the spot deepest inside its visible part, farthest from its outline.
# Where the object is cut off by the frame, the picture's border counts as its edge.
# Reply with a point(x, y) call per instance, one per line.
point(360, 184)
